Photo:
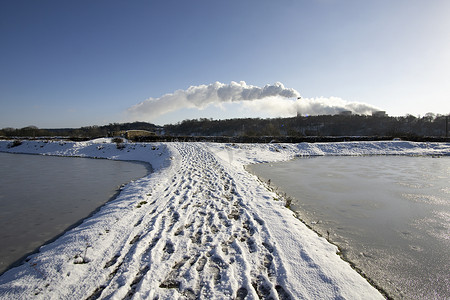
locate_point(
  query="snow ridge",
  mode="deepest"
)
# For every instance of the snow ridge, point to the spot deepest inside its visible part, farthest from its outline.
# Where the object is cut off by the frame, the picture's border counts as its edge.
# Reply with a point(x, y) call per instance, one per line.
point(198, 227)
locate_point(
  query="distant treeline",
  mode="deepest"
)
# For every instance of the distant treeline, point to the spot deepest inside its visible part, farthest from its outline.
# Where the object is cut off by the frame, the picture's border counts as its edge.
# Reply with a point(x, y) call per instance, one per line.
point(82, 133)
point(301, 128)
point(326, 125)
point(287, 139)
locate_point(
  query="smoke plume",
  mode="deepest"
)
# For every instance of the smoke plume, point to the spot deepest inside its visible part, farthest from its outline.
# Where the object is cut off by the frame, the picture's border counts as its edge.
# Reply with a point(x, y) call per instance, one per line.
point(203, 95)
point(273, 100)
point(309, 106)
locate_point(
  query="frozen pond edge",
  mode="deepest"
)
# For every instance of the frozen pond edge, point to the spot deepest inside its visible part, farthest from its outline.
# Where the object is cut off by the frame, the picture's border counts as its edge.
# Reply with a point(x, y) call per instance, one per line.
point(107, 199)
point(263, 172)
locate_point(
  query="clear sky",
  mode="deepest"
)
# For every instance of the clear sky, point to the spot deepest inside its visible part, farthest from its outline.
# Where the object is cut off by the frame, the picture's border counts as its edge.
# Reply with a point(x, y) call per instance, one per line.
point(84, 62)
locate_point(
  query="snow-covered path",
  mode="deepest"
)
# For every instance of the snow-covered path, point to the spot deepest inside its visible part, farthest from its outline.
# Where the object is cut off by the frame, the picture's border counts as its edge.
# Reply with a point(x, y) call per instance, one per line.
point(200, 226)
point(218, 242)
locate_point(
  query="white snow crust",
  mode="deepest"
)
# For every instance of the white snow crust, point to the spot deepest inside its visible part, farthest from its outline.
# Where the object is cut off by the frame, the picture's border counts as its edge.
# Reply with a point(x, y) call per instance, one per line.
point(198, 227)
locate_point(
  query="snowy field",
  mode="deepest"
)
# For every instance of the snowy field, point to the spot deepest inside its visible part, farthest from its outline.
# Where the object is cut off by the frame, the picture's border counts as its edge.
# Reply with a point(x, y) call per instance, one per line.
point(200, 226)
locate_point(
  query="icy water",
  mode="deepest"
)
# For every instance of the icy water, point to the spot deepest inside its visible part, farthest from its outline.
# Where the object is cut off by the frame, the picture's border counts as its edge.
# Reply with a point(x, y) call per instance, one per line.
point(389, 214)
point(41, 196)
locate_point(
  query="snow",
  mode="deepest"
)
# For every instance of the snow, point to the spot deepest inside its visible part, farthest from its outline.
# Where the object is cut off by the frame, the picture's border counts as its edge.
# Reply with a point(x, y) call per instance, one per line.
point(199, 226)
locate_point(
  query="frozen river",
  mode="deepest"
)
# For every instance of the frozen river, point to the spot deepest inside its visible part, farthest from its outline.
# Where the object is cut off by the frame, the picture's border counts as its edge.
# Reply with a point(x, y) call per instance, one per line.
point(390, 215)
point(41, 196)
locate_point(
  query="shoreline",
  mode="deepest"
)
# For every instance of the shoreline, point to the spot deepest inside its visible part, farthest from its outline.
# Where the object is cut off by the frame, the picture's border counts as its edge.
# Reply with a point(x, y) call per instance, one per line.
point(389, 287)
point(78, 222)
point(284, 197)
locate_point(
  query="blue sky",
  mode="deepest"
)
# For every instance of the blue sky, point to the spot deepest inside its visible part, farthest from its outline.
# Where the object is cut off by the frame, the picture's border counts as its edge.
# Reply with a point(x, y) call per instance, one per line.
point(80, 63)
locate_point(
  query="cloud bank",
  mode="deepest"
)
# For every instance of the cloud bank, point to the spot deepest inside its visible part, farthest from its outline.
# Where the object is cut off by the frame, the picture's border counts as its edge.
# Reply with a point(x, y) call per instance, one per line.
point(275, 100)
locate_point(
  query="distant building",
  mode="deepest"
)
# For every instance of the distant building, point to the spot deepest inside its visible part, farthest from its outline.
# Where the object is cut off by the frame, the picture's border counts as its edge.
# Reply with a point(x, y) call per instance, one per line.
point(131, 134)
point(160, 131)
point(345, 113)
point(379, 113)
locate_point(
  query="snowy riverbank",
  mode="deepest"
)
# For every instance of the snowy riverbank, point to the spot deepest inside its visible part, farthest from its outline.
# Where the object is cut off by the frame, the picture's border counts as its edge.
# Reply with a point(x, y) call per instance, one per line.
point(199, 226)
